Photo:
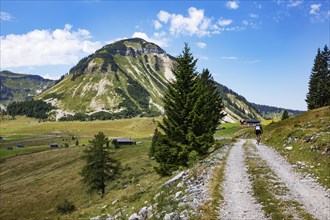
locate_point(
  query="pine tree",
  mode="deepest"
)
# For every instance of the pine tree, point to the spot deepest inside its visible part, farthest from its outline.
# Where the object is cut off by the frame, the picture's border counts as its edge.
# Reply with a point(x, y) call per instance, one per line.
point(192, 110)
point(205, 115)
point(285, 115)
point(172, 147)
point(100, 167)
point(319, 92)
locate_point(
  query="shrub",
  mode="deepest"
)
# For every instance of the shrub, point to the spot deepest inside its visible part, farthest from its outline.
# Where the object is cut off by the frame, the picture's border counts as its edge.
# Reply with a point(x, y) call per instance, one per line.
point(66, 207)
point(193, 158)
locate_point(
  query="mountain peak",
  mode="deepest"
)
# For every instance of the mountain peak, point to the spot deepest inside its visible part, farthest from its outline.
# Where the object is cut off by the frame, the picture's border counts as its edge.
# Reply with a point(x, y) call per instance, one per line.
point(131, 47)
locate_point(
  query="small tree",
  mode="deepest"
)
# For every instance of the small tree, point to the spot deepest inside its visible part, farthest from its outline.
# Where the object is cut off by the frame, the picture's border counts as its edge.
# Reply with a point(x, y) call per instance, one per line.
point(285, 115)
point(100, 167)
point(66, 207)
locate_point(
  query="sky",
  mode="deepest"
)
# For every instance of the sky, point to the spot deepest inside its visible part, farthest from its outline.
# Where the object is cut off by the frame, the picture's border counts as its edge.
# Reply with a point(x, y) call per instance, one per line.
point(263, 50)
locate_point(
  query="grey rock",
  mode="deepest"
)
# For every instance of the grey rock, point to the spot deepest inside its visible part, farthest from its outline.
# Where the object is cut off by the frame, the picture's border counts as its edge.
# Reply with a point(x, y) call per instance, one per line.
point(177, 177)
point(135, 217)
point(172, 216)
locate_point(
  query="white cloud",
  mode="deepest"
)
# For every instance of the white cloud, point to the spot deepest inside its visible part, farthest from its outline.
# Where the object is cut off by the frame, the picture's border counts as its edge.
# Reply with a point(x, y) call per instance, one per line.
point(164, 16)
point(252, 15)
point(158, 39)
point(232, 5)
point(5, 16)
point(49, 76)
point(45, 47)
point(157, 25)
point(229, 58)
point(294, 3)
point(195, 23)
point(201, 45)
point(224, 22)
point(315, 9)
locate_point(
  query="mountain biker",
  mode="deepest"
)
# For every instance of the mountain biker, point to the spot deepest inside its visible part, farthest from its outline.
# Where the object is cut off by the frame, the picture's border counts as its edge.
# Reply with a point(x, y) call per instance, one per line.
point(258, 131)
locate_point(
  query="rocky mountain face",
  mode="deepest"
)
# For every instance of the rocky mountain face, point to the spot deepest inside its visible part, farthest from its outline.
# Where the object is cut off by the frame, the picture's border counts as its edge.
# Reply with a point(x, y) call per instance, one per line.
point(128, 77)
point(21, 87)
point(236, 106)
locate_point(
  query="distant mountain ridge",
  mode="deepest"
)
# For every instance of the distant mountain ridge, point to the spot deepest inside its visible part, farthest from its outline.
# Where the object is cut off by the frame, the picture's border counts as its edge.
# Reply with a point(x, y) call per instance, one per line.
point(271, 112)
point(20, 87)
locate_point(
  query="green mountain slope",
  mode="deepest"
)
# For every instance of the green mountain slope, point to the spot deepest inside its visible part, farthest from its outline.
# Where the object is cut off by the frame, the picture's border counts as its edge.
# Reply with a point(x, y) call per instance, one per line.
point(128, 77)
point(237, 107)
point(20, 87)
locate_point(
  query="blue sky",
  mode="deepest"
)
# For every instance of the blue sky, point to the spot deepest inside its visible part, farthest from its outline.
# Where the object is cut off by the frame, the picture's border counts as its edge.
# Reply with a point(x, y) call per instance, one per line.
point(263, 50)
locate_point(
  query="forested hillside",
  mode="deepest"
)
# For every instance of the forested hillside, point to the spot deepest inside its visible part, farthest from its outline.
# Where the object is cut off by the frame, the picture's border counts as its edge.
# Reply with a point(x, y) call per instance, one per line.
point(21, 87)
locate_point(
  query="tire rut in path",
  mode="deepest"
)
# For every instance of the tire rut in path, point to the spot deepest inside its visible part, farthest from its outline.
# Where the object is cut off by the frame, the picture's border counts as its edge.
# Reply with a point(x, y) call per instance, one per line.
point(310, 194)
point(237, 190)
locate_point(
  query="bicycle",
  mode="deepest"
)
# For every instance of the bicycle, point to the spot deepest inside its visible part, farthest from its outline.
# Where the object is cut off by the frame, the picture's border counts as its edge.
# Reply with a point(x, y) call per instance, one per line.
point(258, 138)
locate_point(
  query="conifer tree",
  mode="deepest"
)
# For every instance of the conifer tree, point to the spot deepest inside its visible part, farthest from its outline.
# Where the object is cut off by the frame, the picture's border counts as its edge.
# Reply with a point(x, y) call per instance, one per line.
point(100, 167)
point(193, 108)
point(205, 115)
point(319, 83)
point(285, 115)
point(172, 149)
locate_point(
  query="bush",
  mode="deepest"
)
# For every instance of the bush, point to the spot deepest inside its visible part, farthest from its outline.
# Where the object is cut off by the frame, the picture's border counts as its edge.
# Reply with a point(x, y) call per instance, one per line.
point(66, 207)
point(2, 160)
point(193, 158)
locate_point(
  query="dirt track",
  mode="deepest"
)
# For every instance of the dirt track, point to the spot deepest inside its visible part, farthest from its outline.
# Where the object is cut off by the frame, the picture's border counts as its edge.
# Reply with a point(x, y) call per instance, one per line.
point(239, 201)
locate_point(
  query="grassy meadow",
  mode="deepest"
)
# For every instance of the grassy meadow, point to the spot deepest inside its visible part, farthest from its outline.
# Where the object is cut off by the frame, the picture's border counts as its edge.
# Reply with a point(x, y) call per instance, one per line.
point(35, 179)
point(36, 136)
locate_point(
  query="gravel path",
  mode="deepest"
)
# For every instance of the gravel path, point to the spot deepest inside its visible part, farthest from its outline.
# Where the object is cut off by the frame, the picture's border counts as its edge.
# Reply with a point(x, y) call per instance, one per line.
point(237, 189)
point(309, 193)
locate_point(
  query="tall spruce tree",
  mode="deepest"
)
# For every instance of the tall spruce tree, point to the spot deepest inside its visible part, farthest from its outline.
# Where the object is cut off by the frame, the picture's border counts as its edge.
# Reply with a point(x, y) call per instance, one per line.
point(192, 110)
point(319, 83)
point(100, 167)
point(205, 115)
point(171, 149)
